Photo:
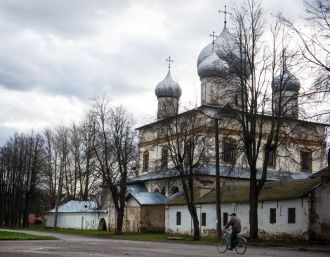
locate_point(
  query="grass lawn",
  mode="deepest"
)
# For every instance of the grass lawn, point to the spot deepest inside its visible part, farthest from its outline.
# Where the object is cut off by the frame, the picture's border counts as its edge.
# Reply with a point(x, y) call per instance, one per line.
point(148, 236)
point(6, 235)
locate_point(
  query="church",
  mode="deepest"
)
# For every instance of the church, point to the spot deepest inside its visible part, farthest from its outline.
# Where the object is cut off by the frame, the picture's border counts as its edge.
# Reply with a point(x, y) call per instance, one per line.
point(296, 191)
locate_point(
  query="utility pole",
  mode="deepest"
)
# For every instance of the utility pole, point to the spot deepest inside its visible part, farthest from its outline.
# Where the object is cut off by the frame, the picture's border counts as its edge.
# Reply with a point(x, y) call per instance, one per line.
point(217, 170)
point(217, 177)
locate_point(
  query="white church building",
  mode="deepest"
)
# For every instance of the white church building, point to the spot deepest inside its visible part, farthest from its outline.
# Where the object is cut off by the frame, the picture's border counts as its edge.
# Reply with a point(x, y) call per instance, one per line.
point(295, 200)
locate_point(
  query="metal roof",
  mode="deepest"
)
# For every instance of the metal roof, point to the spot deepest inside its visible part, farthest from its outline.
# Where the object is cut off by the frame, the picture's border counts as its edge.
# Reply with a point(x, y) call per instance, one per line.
point(225, 171)
point(272, 191)
point(136, 188)
point(149, 198)
point(78, 206)
point(324, 172)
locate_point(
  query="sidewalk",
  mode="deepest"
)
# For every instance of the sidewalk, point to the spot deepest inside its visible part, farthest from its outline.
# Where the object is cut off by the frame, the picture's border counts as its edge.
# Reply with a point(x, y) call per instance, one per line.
point(319, 247)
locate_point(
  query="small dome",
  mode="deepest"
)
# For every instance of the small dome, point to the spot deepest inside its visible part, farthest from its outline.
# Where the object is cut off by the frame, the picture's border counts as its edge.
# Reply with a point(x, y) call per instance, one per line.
point(212, 66)
point(206, 52)
point(286, 81)
point(168, 87)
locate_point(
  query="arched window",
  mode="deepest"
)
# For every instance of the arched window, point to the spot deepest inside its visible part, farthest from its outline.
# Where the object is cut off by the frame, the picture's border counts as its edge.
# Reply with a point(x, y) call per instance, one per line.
point(156, 189)
point(164, 160)
point(145, 160)
point(174, 190)
point(163, 192)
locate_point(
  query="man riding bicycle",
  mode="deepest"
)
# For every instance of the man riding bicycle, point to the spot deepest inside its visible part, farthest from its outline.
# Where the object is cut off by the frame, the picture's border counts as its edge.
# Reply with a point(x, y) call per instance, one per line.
point(235, 224)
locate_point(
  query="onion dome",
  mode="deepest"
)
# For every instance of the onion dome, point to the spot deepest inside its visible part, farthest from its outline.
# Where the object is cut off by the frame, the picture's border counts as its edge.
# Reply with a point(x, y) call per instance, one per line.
point(286, 81)
point(206, 52)
point(168, 87)
point(226, 45)
point(213, 66)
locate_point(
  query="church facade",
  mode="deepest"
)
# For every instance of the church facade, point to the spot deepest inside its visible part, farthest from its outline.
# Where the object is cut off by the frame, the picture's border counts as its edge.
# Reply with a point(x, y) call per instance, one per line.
point(155, 201)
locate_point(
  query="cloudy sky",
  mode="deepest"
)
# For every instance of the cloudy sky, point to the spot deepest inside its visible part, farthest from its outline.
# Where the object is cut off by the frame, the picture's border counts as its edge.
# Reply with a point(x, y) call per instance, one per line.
point(55, 56)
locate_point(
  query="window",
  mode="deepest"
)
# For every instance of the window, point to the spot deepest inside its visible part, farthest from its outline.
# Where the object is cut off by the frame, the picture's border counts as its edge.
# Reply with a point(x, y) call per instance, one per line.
point(271, 159)
point(164, 160)
point(187, 153)
point(228, 152)
point(174, 190)
point(272, 215)
point(163, 192)
point(306, 160)
point(145, 160)
point(225, 218)
point(178, 218)
point(291, 215)
point(203, 219)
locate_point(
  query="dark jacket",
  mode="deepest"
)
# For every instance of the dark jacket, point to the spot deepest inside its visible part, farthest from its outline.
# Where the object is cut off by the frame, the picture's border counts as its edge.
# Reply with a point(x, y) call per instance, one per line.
point(235, 224)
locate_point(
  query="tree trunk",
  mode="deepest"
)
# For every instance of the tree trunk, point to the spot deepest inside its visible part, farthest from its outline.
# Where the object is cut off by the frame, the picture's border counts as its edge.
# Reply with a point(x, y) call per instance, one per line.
point(253, 197)
point(197, 234)
point(120, 220)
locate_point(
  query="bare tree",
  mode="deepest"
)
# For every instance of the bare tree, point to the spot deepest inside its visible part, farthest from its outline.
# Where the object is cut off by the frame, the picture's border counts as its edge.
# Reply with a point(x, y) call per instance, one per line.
point(186, 142)
point(83, 158)
point(314, 41)
point(114, 147)
point(62, 145)
point(265, 120)
point(21, 162)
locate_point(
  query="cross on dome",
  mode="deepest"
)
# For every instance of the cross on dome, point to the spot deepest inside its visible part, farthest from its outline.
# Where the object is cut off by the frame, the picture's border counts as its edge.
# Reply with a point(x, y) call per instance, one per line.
point(225, 12)
point(169, 60)
point(213, 37)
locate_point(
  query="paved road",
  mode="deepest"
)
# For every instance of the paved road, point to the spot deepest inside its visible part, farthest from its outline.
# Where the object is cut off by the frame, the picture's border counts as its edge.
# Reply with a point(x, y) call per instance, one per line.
point(82, 246)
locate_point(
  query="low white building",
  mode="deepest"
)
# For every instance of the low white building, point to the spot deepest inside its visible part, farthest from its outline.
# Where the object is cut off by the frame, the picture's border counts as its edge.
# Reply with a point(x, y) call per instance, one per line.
point(284, 209)
point(79, 215)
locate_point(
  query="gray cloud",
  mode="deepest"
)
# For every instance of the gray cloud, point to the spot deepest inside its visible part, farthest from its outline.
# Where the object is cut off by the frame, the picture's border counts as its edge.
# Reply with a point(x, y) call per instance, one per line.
point(67, 18)
point(82, 49)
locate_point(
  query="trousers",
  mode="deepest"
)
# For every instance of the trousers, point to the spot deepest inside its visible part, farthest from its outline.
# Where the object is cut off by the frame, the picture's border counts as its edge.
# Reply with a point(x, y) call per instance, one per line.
point(233, 239)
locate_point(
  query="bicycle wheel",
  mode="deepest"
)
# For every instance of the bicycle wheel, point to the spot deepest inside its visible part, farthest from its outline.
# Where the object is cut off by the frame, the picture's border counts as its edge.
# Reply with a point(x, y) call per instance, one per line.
point(222, 245)
point(241, 246)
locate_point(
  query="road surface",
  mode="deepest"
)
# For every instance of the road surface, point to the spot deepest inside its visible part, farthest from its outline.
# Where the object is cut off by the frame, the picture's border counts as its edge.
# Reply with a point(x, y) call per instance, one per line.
point(84, 246)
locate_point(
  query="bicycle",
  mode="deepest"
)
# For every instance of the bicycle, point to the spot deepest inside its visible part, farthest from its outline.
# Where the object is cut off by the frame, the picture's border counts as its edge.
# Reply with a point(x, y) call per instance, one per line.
point(223, 244)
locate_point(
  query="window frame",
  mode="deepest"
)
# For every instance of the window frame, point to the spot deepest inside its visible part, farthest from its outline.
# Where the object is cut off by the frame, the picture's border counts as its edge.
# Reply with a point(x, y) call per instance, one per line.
point(291, 215)
point(164, 158)
point(225, 218)
point(178, 218)
point(203, 219)
point(272, 215)
point(145, 161)
point(310, 163)
point(232, 151)
point(271, 164)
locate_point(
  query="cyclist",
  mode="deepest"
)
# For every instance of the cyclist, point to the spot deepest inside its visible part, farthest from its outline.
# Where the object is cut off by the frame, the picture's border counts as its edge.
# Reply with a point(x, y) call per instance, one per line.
point(235, 224)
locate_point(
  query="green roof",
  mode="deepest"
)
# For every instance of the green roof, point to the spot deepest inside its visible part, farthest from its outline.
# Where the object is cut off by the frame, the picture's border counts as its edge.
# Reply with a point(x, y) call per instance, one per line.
point(239, 193)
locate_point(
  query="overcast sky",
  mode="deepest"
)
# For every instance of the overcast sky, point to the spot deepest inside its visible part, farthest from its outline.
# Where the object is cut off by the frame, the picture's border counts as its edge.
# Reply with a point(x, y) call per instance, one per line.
point(55, 56)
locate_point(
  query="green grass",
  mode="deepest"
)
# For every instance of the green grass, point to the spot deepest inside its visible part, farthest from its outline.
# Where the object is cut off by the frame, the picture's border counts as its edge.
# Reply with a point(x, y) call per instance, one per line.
point(147, 236)
point(6, 235)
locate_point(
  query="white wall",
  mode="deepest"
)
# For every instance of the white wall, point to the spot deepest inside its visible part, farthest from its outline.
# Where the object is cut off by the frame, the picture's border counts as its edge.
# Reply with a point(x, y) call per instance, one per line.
point(306, 136)
point(86, 220)
point(266, 229)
